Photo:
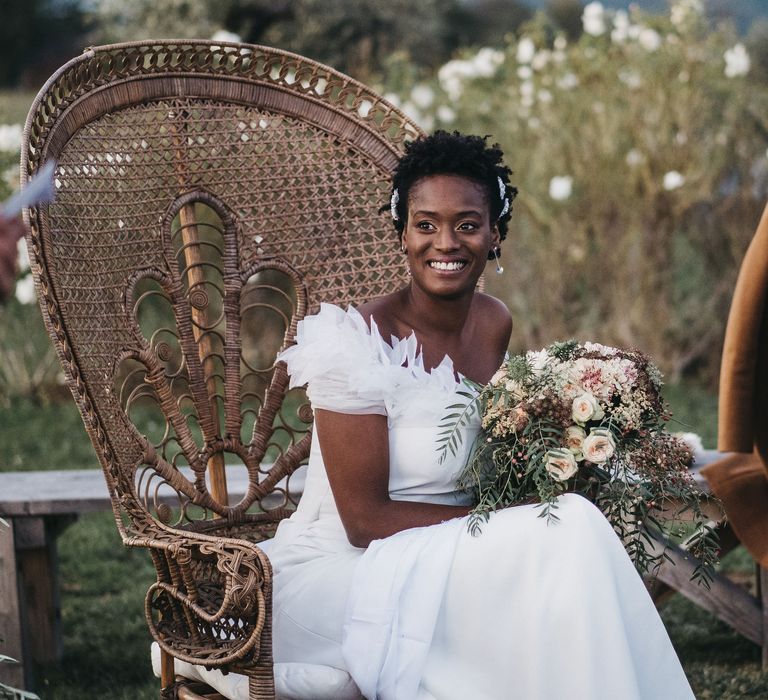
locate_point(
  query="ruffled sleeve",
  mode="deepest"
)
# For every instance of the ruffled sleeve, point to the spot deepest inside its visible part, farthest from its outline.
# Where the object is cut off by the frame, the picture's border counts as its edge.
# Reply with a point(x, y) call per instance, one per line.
point(341, 361)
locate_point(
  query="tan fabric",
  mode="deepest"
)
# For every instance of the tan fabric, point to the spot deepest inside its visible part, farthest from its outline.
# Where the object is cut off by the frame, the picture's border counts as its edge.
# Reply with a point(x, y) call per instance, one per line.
point(741, 480)
point(743, 390)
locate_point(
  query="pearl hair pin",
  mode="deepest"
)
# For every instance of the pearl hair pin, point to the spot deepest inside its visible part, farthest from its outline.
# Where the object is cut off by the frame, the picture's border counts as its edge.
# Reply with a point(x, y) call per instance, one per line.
point(393, 205)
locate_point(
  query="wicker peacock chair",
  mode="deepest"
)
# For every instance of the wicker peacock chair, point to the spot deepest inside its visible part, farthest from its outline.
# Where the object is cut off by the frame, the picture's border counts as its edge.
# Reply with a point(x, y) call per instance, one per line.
point(208, 197)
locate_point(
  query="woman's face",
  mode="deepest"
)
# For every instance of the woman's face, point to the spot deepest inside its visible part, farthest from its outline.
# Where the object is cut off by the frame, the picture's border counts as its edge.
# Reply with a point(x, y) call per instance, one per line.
point(448, 234)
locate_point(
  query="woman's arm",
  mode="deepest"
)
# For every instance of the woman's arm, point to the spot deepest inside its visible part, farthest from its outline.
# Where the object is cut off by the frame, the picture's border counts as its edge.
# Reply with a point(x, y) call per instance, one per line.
point(355, 450)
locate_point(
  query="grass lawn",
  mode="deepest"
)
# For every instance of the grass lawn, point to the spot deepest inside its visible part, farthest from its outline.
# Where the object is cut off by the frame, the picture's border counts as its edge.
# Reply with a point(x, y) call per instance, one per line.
point(103, 584)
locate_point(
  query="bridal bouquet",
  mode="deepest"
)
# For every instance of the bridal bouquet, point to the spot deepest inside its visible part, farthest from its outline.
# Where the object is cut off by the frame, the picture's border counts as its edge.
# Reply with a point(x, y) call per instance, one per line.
point(589, 419)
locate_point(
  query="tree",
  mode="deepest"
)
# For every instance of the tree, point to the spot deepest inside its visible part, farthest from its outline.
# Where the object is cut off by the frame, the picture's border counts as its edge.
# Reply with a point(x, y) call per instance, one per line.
point(357, 36)
point(566, 15)
point(36, 36)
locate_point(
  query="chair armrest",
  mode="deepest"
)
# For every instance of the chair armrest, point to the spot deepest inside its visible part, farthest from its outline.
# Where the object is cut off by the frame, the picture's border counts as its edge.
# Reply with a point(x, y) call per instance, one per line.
point(212, 601)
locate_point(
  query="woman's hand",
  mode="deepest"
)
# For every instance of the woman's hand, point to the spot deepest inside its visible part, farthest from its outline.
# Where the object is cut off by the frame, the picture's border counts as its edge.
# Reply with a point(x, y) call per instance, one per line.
point(355, 450)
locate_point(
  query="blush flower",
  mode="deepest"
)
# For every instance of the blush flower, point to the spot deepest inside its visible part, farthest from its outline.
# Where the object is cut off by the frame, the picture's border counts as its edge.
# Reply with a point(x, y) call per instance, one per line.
point(598, 447)
point(574, 440)
point(560, 464)
point(586, 407)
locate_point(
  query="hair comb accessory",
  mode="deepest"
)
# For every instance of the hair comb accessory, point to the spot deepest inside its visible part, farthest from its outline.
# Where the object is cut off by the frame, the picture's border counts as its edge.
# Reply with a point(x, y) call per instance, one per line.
point(393, 204)
point(502, 188)
point(503, 197)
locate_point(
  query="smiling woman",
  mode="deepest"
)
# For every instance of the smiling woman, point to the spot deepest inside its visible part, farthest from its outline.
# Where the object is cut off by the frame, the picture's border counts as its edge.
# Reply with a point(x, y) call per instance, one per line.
point(449, 231)
point(376, 574)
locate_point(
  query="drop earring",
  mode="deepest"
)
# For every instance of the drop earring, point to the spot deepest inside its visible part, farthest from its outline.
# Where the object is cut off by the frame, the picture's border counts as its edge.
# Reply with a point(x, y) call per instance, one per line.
point(499, 268)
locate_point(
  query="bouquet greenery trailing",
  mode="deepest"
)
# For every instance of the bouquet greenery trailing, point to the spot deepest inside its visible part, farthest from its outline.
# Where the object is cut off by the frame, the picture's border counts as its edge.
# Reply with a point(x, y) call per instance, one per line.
point(590, 419)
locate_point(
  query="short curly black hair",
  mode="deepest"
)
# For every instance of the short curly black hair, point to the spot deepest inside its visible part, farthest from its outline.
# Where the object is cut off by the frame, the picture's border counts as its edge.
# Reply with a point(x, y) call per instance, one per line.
point(445, 153)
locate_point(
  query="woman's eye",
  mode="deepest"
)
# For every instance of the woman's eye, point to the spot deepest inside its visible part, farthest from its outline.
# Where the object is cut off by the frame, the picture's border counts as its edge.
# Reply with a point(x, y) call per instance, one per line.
point(468, 226)
point(424, 225)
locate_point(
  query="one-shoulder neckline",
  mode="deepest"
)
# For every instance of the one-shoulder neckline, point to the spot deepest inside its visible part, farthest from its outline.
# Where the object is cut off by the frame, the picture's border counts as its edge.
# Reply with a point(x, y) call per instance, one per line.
point(403, 352)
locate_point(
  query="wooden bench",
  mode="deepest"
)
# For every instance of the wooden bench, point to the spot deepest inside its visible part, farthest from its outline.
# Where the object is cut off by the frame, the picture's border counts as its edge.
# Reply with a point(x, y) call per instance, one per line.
point(39, 506)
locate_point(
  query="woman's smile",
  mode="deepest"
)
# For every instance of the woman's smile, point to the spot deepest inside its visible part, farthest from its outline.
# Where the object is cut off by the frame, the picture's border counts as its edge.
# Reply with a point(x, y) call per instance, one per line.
point(448, 266)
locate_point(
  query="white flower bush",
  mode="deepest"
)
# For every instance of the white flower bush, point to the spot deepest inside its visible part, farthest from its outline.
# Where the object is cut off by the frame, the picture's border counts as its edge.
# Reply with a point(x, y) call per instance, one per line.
point(10, 137)
point(593, 19)
point(560, 187)
point(672, 180)
point(526, 50)
point(25, 290)
point(446, 115)
point(22, 255)
point(567, 81)
point(422, 96)
point(685, 12)
point(225, 36)
point(737, 62)
point(630, 145)
point(633, 157)
point(649, 39)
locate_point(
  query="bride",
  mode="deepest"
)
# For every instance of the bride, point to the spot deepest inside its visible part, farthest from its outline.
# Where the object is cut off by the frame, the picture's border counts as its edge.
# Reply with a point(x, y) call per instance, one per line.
point(376, 573)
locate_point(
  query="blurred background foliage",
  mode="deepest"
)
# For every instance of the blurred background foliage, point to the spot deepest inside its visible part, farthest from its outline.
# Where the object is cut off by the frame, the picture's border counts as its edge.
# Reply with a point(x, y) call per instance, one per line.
point(639, 142)
point(638, 138)
point(640, 155)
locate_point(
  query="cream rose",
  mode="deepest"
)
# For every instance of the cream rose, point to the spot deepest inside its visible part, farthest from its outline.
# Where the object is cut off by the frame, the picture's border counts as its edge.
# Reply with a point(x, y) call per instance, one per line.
point(560, 464)
point(586, 407)
point(598, 447)
point(574, 440)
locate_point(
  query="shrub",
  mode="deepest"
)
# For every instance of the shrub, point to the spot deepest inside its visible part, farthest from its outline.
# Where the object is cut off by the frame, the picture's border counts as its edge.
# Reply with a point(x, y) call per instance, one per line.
point(640, 154)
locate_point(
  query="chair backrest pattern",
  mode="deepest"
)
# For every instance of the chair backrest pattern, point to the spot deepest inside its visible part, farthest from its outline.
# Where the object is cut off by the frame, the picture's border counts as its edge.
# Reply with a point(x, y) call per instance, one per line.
point(208, 196)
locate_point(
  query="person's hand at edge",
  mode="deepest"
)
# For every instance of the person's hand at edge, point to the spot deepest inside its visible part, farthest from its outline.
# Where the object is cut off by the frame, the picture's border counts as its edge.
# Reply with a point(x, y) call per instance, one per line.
point(11, 230)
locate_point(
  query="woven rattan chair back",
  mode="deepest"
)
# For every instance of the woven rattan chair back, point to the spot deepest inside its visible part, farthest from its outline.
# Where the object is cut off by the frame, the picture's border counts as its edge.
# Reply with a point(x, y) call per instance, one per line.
point(207, 198)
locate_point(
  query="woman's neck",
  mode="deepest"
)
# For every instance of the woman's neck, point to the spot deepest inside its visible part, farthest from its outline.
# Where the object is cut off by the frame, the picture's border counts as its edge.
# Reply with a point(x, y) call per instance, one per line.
point(435, 316)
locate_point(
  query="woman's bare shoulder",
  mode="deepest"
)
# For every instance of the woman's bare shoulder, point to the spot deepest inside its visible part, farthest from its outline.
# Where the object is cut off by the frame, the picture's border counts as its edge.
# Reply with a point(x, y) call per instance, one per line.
point(384, 310)
point(494, 317)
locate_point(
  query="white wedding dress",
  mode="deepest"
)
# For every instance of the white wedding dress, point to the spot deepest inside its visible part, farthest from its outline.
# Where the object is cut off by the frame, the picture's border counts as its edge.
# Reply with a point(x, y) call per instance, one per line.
point(526, 610)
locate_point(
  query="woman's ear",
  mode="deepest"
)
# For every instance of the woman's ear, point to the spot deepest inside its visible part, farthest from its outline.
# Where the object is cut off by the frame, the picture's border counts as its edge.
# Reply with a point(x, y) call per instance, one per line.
point(495, 235)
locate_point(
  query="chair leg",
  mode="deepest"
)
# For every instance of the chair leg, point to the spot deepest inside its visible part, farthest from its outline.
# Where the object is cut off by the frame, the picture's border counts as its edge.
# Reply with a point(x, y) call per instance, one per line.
point(167, 675)
point(261, 685)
